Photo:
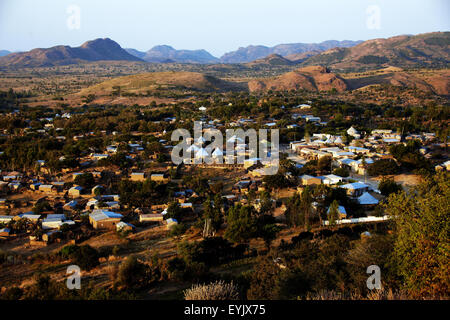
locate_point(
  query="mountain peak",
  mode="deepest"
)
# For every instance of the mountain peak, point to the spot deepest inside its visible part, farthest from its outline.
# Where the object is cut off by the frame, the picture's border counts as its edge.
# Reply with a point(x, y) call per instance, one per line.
point(100, 42)
point(404, 51)
point(272, 59)
point(162, 47)
point(94, 50)
point(165, 53)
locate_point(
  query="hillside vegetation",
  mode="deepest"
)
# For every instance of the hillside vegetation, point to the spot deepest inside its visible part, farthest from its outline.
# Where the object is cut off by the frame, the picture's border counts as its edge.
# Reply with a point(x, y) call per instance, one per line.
point(142, 83)
point(420, 51)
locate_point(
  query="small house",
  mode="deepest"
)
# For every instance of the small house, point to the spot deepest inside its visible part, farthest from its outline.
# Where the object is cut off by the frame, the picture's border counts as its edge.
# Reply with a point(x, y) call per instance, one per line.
point(171, 222)
point(103, 219)
point(308, 180)
point(154, 217)
point(159, 177)
point(5, 219)
point(75, 191)
point(47, 188)
point(137, 176)
point(332, 179)
point(50, 236)
point(5, 232)
point(123, 226)
point(342, 212)
point(367, 200)
point(355, 189)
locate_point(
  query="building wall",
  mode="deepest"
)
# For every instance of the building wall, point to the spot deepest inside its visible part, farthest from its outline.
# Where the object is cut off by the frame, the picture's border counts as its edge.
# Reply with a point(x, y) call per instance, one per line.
point(308, 182)
point(137, 178)
point(109, 224)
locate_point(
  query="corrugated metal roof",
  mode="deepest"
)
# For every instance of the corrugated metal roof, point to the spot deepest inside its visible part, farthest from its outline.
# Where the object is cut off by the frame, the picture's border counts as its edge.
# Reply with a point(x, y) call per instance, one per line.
point(98, 215)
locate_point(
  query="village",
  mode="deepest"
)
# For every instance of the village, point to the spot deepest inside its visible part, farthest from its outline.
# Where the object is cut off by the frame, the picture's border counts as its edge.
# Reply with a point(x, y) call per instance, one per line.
point(223, 159)
point(44, 204)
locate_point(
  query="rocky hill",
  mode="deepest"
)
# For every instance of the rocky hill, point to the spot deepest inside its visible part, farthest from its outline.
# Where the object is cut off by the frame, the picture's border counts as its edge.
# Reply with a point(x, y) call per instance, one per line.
point(420, 51)
point(313, 78)
point(252, 53)
point(95, 50)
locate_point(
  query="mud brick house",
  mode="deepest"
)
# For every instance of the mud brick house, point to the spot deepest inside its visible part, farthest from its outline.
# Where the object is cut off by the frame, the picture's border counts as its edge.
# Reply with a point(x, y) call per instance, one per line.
point(103, 219)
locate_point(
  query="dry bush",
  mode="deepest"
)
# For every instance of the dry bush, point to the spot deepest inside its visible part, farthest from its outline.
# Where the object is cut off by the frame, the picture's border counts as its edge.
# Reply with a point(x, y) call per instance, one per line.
point(332, 295)
point(113, 271)
point(218, 290)
point(382, 294)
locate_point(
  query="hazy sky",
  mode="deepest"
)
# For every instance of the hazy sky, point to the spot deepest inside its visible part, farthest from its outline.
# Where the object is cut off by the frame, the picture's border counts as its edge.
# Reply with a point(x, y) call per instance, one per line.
point(215, 25)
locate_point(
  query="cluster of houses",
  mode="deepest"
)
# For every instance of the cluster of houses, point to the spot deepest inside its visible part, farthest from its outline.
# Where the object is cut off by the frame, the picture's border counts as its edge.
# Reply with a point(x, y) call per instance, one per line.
point(103, 210)
point(358, 154)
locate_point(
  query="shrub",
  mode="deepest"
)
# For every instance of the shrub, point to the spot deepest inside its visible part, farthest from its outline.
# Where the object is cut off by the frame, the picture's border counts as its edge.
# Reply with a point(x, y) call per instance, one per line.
point(388, 186)
point(85, 257)
point(132, 273)
point(115, 250)
point(341, 172)
point(178, 230)
point(382, 167)
point(13, 293)
point(176, 268)
point(218, 290)
point(68, 251)
point(86, 180)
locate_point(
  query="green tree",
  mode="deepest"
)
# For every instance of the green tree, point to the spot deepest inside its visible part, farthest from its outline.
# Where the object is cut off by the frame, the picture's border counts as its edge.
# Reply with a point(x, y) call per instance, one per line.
point(422, 226)
point(134, 274)
point(383, 167)
point(241, 224)
point(267, 229)
point(86, 180)
point(324, 164)
point(174, 211)
point(85, 257)
point(276, 181)
point(342, 172)
point(266, 203)
point(333, 214)
point(213, 211)
point(305, 206)
point(388, 186)
point(264, 280)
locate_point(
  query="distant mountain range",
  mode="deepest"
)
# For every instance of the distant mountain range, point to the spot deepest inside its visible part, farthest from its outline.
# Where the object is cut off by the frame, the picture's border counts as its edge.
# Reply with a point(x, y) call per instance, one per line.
point(252, 53)
point(167, 54)
point(95, 50)
point(424, 50)
point(273, 60)
point(164, 54)
point(4, 53)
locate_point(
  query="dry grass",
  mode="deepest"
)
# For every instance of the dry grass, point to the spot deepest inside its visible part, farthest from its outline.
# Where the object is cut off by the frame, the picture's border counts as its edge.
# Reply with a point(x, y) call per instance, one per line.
point(382, 294)
point(218, 290)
